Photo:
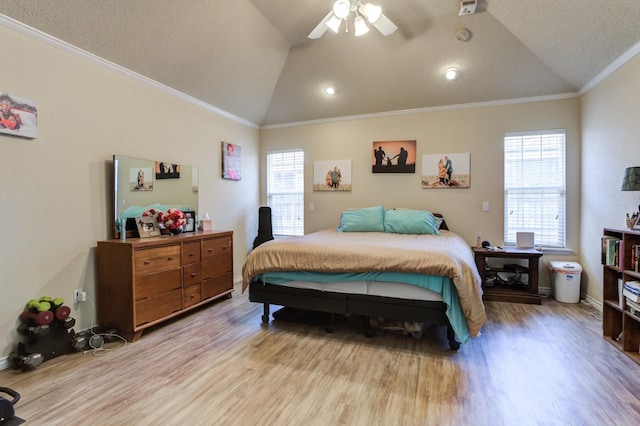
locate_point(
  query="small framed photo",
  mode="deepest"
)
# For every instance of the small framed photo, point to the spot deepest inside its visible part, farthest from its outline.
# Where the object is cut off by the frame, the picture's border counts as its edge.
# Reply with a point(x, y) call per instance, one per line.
point(190, 218)
point(636, 224)
point(148, 226)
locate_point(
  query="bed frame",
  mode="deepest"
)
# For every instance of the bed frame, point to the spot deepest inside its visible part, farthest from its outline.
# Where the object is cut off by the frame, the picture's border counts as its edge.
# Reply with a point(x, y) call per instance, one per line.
point(430, 312)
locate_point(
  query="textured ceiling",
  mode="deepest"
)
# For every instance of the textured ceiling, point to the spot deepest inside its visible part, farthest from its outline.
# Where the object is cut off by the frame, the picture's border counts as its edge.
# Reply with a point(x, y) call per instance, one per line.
point(252, 58)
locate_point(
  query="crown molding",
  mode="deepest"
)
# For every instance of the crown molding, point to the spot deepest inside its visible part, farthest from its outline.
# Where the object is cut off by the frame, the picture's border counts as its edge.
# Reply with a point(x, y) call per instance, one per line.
point(611, 68)
point(425, 110)
point(35, 34)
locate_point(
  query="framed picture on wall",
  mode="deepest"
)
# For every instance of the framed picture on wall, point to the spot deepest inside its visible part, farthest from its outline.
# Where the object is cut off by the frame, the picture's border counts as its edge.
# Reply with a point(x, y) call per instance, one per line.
point(140, 179)
point(332, 175)
point(166, 170)
point(394, 157)
point(231, 161)
point(446, 171)
point(18, 116)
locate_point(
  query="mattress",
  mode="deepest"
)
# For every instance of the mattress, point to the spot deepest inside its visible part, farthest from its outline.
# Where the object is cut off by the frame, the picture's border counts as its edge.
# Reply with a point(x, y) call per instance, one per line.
point(372, 288)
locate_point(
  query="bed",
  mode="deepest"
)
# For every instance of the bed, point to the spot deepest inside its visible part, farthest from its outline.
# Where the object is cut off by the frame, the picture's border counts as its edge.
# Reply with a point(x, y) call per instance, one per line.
point(379, 263)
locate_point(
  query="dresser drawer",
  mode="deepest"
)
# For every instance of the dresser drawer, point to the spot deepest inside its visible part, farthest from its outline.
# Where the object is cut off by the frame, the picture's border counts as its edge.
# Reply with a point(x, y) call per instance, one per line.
point(218, 285)
point(191, 253)
point(149, 310)
point(191, 274)
point(150, 286)
point(217, 267)
point(215, 247)
point(157, 259)
point(192, 295)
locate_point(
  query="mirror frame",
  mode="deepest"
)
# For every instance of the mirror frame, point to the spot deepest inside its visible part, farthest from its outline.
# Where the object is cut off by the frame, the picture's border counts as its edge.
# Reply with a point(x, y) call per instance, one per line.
point(175, 187)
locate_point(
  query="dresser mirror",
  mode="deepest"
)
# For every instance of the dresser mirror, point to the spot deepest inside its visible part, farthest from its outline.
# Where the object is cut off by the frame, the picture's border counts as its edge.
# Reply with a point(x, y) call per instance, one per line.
point(140, 184)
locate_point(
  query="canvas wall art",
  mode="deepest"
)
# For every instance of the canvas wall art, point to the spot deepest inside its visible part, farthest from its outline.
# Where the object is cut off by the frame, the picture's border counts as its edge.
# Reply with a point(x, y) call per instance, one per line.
point(231, 161)
point(18, 116)
point(394, 157)
point(166, 170)
point(443, 171)
point(332, 175)
point(140, 179)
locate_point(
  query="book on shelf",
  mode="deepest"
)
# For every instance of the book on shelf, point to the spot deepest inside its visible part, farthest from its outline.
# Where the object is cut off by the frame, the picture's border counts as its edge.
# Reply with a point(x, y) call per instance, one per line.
point(633, 286)
point(611, 250)
point(631, 290)
point(635, 258)
point(620, 295)
point(634, 305)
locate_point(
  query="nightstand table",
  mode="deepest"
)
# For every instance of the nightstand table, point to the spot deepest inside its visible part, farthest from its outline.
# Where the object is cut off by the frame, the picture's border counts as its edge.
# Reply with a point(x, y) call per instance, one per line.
point(527, 294)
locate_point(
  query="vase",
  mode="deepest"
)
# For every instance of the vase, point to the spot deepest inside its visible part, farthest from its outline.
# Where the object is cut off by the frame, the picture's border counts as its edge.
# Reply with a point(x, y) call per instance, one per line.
point(176, 231)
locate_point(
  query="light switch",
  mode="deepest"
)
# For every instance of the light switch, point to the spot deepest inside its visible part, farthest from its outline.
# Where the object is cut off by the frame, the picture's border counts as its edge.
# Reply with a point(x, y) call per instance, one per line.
point(485, 206)
point(312, 207)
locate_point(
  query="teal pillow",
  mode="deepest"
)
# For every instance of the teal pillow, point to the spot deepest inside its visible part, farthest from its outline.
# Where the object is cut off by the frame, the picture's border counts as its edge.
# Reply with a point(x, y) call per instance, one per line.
point(368, 219)
point(407, 221)
point(439, 221)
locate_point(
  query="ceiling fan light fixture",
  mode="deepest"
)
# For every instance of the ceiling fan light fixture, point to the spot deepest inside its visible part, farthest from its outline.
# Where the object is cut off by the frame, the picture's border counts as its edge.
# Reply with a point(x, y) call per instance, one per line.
point(341, 8)
point(372, 12)
point(334, 23)
point(451, 73)
point(363, 12)
point(360, 25)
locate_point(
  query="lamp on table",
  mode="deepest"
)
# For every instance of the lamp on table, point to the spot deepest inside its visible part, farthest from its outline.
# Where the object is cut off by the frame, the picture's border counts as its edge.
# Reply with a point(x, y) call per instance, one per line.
point(631, 182)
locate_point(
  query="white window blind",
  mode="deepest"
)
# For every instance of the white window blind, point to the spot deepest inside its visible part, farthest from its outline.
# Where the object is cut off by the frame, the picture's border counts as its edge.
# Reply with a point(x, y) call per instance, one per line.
point(534, 186)
point(285, 191)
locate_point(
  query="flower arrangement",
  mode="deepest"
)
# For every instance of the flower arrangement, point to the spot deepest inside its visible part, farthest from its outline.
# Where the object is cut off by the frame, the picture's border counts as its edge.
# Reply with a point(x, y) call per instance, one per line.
point(172, 219)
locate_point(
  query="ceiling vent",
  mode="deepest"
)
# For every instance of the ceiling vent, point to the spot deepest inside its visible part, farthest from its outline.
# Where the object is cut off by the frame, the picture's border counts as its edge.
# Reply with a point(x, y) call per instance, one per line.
point(467, 7)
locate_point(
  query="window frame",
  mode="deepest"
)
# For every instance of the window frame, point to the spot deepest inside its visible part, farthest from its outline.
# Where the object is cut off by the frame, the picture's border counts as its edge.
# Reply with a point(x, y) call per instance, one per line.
point(543, 191)
point(286, 221)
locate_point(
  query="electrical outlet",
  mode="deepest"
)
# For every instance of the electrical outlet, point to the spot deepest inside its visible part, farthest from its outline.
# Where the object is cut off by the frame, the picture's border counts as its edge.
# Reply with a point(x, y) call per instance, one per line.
point(79, 296)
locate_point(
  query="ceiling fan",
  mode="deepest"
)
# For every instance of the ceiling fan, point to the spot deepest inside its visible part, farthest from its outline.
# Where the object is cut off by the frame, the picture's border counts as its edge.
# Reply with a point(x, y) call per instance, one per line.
point(341, 11)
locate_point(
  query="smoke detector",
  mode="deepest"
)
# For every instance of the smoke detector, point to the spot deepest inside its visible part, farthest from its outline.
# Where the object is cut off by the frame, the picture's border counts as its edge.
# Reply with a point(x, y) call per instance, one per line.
point(467, 7)
point(463, 34)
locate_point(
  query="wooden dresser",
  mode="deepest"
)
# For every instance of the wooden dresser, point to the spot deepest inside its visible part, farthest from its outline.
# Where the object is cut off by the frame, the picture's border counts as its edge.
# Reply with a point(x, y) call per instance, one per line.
point(145, 281)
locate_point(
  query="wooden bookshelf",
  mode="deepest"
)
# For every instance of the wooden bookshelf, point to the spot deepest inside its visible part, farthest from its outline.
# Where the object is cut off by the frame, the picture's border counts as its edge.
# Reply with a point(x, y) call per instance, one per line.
point(620, 327)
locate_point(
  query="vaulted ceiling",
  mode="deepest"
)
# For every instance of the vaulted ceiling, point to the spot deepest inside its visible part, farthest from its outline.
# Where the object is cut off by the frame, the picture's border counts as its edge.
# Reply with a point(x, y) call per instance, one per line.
point(252, 58)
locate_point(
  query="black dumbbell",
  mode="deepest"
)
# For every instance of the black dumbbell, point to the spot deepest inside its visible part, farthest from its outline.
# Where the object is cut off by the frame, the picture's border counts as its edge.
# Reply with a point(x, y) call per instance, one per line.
point(40, 330)
point(26, 362)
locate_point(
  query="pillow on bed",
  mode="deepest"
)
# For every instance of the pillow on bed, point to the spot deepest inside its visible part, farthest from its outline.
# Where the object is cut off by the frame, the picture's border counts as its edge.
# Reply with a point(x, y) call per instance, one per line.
point(438, 221)
point(368, 219)
point(407, 221)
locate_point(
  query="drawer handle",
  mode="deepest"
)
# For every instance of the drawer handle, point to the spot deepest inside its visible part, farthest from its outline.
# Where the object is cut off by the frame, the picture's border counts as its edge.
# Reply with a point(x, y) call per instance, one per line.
point(210, 250)
point(192, 296)
point(146, 262)
point(192, 254)
point(169, 258)
point(193, 274)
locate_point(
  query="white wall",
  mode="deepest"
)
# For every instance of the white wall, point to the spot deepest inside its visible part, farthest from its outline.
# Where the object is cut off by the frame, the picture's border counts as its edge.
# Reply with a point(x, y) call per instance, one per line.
point(56, 189)
point(478, 131)
point(610, 143)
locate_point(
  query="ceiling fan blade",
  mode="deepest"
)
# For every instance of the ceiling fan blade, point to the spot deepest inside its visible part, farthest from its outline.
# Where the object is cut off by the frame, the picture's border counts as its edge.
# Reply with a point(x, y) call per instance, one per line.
point(385, 26)
point(321, 27)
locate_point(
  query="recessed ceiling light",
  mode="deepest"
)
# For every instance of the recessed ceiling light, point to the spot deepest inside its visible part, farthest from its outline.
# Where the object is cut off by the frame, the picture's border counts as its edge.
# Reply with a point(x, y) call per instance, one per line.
point(451, 73)
point(330, 89)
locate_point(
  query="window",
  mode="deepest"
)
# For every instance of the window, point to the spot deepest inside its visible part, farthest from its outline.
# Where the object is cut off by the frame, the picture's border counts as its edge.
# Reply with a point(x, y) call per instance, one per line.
point(285, 191)
point(534, 186)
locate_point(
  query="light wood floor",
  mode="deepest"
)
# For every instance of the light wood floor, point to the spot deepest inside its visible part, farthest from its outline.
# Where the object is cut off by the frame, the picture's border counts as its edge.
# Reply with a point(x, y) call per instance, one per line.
point(533, 365)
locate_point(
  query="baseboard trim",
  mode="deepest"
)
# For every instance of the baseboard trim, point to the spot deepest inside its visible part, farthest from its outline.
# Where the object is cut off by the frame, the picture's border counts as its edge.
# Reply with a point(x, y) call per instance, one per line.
point(4, 363)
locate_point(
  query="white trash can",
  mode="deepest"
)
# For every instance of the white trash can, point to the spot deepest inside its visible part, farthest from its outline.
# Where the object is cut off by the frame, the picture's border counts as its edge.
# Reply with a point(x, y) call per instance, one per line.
point(565, 277)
